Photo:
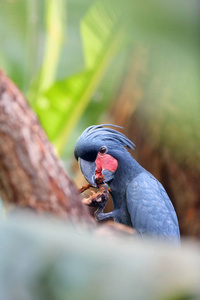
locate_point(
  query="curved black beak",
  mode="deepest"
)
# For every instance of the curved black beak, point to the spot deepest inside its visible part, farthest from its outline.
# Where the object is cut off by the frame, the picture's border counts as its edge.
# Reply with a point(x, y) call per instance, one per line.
point(88, 170)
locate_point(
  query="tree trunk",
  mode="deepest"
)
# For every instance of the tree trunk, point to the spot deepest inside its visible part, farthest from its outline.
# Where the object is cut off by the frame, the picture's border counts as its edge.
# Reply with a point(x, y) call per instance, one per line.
point(31, 175)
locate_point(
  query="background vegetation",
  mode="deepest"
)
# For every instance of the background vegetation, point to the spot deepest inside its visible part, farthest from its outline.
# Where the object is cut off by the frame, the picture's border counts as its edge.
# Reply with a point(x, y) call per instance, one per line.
point(71, 58)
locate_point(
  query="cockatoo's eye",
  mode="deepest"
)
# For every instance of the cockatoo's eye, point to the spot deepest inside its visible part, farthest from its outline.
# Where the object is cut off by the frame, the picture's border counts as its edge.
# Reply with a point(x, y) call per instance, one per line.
point(103, 150)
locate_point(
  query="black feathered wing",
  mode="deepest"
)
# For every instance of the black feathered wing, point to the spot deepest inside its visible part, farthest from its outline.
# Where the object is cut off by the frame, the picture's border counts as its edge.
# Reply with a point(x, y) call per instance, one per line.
point(150, 208)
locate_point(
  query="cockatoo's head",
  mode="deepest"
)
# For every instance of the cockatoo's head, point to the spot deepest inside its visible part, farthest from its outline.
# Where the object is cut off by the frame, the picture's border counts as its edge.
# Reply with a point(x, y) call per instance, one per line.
point(98, 150)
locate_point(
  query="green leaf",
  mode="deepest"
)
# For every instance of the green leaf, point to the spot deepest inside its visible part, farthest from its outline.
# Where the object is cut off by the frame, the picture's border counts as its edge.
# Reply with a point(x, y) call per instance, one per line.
point(55, 20)
point(55, 24)
point(65, 102)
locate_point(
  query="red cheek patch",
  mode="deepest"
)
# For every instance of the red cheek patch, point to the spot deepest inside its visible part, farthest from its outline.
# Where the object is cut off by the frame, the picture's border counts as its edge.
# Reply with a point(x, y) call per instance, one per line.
point(105, 162)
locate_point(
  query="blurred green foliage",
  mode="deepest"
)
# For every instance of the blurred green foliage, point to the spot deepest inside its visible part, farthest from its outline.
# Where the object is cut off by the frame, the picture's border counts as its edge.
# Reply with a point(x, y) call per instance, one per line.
point(70, 58)
point(171, 105)
point(101, 37)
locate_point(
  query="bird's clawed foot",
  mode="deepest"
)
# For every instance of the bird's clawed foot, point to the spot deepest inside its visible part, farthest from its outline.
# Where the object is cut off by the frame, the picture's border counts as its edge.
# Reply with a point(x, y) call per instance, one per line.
point(98, 199)
point(100, 216)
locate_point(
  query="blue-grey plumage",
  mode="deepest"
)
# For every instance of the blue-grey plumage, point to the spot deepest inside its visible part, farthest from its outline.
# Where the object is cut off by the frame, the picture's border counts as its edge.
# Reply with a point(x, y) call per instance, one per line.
point(139, 199)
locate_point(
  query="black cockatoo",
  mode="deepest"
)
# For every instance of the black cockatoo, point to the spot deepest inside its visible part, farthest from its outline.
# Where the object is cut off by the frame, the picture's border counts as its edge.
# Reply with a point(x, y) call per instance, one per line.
point(139, 199)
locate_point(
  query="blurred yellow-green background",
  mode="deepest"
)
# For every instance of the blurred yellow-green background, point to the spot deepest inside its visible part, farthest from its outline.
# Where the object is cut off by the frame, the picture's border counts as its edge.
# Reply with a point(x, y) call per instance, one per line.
point(130, 63)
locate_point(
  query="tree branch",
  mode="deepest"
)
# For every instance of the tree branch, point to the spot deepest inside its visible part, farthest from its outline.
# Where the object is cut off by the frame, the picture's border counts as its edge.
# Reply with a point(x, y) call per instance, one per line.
point(31, 175)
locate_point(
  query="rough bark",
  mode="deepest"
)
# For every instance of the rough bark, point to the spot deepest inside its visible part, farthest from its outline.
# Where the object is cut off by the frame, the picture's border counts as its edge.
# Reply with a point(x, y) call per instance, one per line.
point(31, 175)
